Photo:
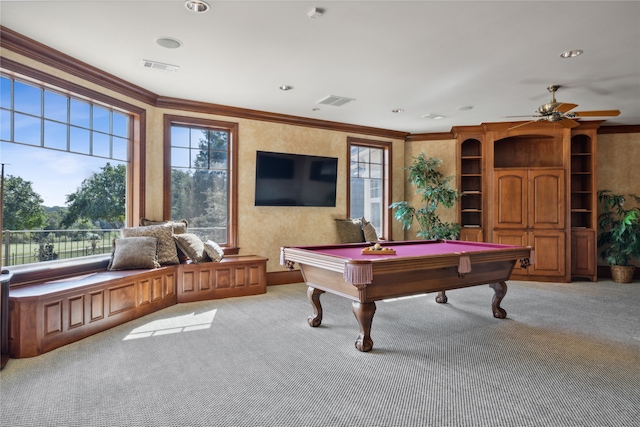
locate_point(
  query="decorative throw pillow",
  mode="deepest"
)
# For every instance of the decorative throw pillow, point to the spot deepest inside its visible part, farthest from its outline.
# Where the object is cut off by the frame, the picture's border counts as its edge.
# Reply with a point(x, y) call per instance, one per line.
point(167, 252)
point(350, 230)
point(179, 227)
point(369, 231)
point(214, 251)
point(134, 253)
point(192, 247)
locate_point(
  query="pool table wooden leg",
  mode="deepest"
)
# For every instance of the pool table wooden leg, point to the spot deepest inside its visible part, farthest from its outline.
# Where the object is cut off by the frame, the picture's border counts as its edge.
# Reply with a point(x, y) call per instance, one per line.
point(364, 314)
point(500, 289)
point(314, 296)
point(442, 297)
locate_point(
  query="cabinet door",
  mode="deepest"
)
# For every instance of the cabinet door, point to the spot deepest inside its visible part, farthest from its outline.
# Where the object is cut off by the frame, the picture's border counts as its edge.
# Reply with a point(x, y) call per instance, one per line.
point(549, 253)
point(583, 250)
point(546, 199)
point(510, 201)
point(468, 234)
point(512, 237)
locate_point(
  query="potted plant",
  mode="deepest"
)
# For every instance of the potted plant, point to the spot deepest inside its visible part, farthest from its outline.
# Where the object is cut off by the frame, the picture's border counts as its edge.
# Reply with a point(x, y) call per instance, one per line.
point(434, 190)
point(620, 236)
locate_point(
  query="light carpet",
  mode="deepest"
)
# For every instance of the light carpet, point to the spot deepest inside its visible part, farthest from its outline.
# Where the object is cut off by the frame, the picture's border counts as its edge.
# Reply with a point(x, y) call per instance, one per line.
point(567, 355)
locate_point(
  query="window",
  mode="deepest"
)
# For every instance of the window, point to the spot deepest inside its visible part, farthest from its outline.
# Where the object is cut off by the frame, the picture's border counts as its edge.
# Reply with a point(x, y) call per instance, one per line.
point(53, 141)
point(200, 179)
point(369, 182)
point(37, 116)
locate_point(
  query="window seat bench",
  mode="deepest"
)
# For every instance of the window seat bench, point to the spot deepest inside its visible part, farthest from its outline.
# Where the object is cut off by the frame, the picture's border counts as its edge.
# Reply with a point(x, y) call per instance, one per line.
point(47, 315)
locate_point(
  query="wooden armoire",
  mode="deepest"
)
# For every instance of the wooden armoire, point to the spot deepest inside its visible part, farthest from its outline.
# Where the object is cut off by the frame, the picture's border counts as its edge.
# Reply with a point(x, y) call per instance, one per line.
point(535, 186)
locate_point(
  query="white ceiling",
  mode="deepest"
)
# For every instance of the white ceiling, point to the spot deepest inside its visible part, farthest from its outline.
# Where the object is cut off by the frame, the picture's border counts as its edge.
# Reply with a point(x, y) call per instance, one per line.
point(419, 56)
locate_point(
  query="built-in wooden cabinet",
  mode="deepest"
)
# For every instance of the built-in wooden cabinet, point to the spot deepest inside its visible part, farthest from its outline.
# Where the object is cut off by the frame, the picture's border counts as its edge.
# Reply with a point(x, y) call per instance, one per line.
point(583, 203)
point(535, 186)
point(529, 210)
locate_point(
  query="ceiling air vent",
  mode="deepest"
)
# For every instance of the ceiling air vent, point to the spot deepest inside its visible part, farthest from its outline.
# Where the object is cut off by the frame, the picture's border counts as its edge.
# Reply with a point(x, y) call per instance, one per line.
point(160, 66)
point(336, 101)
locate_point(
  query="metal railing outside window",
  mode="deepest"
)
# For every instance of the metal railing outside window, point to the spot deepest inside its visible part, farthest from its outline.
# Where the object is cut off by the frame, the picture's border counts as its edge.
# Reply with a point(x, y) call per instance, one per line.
point(34, 246)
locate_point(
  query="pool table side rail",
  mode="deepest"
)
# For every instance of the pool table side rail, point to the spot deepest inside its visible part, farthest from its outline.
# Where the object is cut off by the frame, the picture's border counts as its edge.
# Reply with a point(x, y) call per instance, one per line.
point(390, 264)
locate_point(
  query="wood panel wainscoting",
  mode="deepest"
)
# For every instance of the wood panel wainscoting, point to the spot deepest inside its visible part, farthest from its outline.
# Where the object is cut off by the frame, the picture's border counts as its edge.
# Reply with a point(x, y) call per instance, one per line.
point(48, 315)
point(231, 277)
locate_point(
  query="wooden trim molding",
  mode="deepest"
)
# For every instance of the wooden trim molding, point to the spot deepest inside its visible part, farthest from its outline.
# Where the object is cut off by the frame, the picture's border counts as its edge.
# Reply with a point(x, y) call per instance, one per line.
point(234, 135)
point(618, 129)
point(387, 152)
point(37, 51)
point(264, 116)
point(436, 136)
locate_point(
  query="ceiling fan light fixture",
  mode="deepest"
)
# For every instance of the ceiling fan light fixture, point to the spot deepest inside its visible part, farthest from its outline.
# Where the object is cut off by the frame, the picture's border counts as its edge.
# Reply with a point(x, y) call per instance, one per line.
point(197, 6)
point(571, 53)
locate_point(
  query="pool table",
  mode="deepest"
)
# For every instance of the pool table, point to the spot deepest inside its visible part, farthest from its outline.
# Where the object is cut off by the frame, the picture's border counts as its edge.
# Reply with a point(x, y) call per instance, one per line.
point(401, 268)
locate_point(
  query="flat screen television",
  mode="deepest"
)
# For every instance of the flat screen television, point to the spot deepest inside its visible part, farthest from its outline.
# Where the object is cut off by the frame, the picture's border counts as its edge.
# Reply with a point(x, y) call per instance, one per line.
point(284, 179)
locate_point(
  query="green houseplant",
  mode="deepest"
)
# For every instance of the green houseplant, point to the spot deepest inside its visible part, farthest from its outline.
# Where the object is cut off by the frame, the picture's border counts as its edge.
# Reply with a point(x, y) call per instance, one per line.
point(620, 235)
point(434, 190)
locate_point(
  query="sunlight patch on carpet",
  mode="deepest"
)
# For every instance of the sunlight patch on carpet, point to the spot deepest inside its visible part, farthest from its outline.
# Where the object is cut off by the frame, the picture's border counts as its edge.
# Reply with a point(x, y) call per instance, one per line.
point(174, 325)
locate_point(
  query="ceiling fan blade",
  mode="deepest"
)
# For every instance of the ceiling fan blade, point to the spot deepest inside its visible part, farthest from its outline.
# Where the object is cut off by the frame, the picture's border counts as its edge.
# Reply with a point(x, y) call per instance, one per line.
point(523, 124)
point(568, 123)
point(564, 107)
point(597, 113)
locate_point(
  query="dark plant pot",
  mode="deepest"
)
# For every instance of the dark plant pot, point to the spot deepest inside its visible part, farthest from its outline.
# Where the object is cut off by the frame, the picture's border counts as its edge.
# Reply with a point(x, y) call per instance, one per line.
point(622, 273)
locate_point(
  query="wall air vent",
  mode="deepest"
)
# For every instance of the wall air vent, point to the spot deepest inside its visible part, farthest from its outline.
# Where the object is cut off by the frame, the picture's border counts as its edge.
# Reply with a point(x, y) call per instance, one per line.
point(336, 101)
point(160, 66)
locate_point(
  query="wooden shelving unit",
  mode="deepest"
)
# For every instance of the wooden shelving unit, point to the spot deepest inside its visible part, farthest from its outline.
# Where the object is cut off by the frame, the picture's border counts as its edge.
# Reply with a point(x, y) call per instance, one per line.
point(583, 205)
point(470, 185)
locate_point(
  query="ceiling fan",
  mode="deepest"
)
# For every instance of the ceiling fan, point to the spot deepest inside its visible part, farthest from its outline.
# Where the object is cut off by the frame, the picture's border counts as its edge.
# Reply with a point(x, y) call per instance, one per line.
point(559, 112)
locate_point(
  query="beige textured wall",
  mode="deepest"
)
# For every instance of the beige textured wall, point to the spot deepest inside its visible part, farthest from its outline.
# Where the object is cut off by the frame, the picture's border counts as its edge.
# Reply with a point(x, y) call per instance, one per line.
point(444, 150)
point(617, 157)
point(618, 162)
point(262, 230)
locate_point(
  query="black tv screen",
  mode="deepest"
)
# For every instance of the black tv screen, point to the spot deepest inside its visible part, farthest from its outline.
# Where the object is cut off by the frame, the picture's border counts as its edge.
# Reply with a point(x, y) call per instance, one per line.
point(284, 179)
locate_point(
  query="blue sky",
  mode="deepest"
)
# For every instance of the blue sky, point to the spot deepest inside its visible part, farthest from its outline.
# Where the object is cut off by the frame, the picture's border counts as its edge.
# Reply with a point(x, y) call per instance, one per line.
point(53, 174)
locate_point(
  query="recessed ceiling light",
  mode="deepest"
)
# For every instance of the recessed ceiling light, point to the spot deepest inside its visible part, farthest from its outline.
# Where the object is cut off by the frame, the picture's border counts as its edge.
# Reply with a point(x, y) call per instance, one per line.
point(286, 87)
point(169, 42)
point(397, 110)
point(571, 53)
point(197, 6)
point(432, 116)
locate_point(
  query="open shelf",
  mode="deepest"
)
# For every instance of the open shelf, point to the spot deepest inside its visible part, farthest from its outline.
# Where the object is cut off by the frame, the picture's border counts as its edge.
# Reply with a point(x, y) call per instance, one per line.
point(471, 183)
point(582, 191)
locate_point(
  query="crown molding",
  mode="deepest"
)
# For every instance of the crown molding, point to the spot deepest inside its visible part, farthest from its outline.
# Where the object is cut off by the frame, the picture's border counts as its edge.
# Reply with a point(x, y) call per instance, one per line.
point(618, 129)
point(436, 136)
point(243, 113)
point(46, 55)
